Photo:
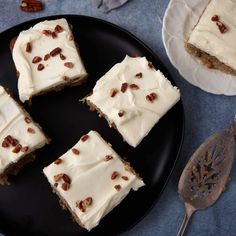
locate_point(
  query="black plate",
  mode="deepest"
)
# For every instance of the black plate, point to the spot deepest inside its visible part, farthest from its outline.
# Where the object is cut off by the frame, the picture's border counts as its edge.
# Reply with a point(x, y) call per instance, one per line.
point(28, 205)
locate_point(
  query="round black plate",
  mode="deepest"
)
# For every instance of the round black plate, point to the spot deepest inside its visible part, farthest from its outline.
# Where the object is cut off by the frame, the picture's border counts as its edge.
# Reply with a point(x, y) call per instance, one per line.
point(28, 206)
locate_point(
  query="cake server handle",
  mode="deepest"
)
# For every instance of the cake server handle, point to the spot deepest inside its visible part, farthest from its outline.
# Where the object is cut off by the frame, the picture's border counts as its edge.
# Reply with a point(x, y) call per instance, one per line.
point(189, 210)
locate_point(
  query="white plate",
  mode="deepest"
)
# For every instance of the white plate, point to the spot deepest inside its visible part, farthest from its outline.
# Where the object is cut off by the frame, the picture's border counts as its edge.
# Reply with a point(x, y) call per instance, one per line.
point(180, 17)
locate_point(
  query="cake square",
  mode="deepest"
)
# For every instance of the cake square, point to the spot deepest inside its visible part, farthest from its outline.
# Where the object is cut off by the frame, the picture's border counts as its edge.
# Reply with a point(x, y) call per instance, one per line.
point(91, 179)
point(46, 58)
point(19, 136)
point(212, 40)
point(133, 96)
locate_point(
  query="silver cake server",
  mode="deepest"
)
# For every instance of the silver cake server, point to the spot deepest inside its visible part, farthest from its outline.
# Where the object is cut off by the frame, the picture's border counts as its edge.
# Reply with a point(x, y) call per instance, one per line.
point(207, 172)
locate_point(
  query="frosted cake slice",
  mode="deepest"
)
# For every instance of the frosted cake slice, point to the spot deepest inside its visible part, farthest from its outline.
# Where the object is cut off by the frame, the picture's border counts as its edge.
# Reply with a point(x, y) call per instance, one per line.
point(46, 58)
point(133, 96)
point(19, 136)
point(212, 40)
point(91, 179)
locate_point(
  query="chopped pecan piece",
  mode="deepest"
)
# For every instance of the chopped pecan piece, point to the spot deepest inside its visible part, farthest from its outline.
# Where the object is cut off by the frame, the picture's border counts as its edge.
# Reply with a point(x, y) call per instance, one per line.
point(222, 27)
point(139, 75)
point(66, 178)
point(69, 65)
point(151, 65)
point(84, 137)
point(125, 178)
point(113, 92)
point(31, 130)
point(58, 177)
point(40, 67)
point(27, 120)
point(46, 57)
point(134, 86)
point(47, 32)
point(75, 151)
point(62, 56)
point(124, 86)
point(215, 18)
point(54, 35)
point(66, 78)
point(82, 205)
point(117, 187)
point(36, 59)
point(17, 148)
point(65, 186)
point(58, 161)
point(55, 52)
point(114, 175)
point(108, 158)
point(28, 47)
point(58, 29)
point(25, 149)
point(121, 113)
point(151, 97)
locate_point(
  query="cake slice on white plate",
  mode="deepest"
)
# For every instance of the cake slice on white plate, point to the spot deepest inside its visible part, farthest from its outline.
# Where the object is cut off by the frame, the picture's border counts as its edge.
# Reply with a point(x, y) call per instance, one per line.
point(91, 179)
point(212, 40)
point(133, 96)
point(20, 136)
point(47, 58)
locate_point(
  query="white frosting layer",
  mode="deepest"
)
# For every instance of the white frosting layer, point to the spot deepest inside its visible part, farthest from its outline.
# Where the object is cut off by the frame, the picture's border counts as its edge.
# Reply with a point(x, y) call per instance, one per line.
point(140, 115)
point(12, 122)
point(91, 177)
point(207, 36)
point(32, 81)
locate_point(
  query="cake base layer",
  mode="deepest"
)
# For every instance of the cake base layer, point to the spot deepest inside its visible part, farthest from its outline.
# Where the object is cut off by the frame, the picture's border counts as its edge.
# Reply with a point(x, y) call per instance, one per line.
point(207, 60)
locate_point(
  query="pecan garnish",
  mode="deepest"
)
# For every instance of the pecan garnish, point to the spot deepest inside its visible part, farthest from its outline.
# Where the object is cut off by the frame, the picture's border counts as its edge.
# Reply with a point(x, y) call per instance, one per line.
point(5, 144)
point(75, 151)
point(151, 65)
point(117, 187)
point(28, 47)
point(55, 185)
point(113, 92)
point(69, 64)
point(58, 177)
point(125, 178)
point(114, 175)
point(31, 6)
point(124, 86)
point(134, 86)
point(55, 52)
point(66, 178)
point(139, 75)
point(36, 59)
point(151, 97)
point(47, 32)
point(27, 120)
point(54, 35)
point(62, 56)
point(14, 142)
point(17, 148)
point(40, 67)
point(58, 161)
point(58, 29)
point(108, 158)
point(121, 113)
point(215, 18)
point(9, 140)
point(82, 205)
point(31, 130)
point(221, 26)
point(25, 149)
point(84, 137)
point(66, 78)
point(46, 57)
point(70, 37)
point(65, 186)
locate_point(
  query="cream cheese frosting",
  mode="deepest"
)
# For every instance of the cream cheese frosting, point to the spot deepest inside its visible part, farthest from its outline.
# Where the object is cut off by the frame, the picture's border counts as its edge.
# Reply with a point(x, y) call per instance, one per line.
point(140, 114)
point(207, 36)
point(16, 123)
point(90, 173)
point(33, 81)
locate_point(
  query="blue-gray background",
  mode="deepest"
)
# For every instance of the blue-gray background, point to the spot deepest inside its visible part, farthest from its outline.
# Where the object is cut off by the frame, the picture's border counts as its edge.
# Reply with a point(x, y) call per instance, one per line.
point(205, 113)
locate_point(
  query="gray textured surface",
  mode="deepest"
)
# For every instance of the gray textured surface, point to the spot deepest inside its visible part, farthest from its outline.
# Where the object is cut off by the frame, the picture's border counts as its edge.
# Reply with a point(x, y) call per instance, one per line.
point(205, 113)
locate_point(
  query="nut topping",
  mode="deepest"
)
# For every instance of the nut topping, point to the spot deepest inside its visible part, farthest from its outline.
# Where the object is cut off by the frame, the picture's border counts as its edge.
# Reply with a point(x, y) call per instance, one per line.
point(28, 47)
point(58, 177)
point(65, 186)
point(84, 138)
point(40, 67)
point(58, 29)
point(58, 161)
point(66, 178)
point(215, 18)
point(151, 66)
point(46, 57)
point(134, 86)
point(66, 78)
point(151, 97)
point(62, 56)
point(75, 151)
point(108, 158)
point(25, 149)
point(47, 32)
point(121, 113)
point(54, 35)
point(124, 86)
point(31, 5)
point(125, 178)
point(69, 64)
point(31, 130)
point(139, 75)
point(55, 52)
point(117, 187)
point(114, 175)
point(221, 26)
point(36, 59)
point(113, 92)
point(17, 148)
point(82, 205)
point(27, 120)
